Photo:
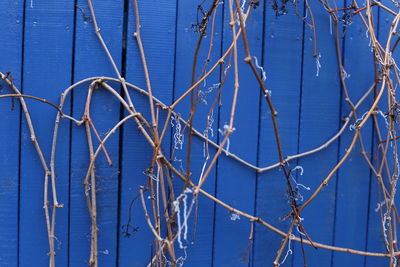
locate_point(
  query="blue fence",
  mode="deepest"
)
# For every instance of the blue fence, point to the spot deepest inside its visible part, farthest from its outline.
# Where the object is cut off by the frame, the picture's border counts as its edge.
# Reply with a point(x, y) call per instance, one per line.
point(49, 45)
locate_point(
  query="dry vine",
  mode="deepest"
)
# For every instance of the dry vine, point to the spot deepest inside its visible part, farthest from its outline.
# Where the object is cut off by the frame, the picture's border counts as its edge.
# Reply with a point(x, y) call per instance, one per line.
point(167, 205)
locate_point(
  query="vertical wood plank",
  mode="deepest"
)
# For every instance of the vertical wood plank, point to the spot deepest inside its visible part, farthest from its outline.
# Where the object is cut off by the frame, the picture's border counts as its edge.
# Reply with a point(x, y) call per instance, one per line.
point(200, 236)
point(91, 60)
point(47, 68)
point(236, 184)
point(375, 237)
point(11, 44)
point(158, 37)
point(283, 44)
point(319, 121)
point(353, 177)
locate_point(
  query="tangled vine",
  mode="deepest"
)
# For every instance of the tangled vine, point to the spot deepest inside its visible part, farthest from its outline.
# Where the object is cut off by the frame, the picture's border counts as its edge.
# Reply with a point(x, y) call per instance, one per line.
point(170, 209)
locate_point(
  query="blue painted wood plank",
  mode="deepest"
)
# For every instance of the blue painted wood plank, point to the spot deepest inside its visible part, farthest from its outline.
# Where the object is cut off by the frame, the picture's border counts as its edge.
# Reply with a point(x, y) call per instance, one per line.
point(11, 18)
point(47, 68)
point(91, 60)
point(283, 38)
point(200, 223)
point(319, 121)
point(158, 37)
point(375, 238)
point(200, 236)
point(236, 184)
point(353, 177)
